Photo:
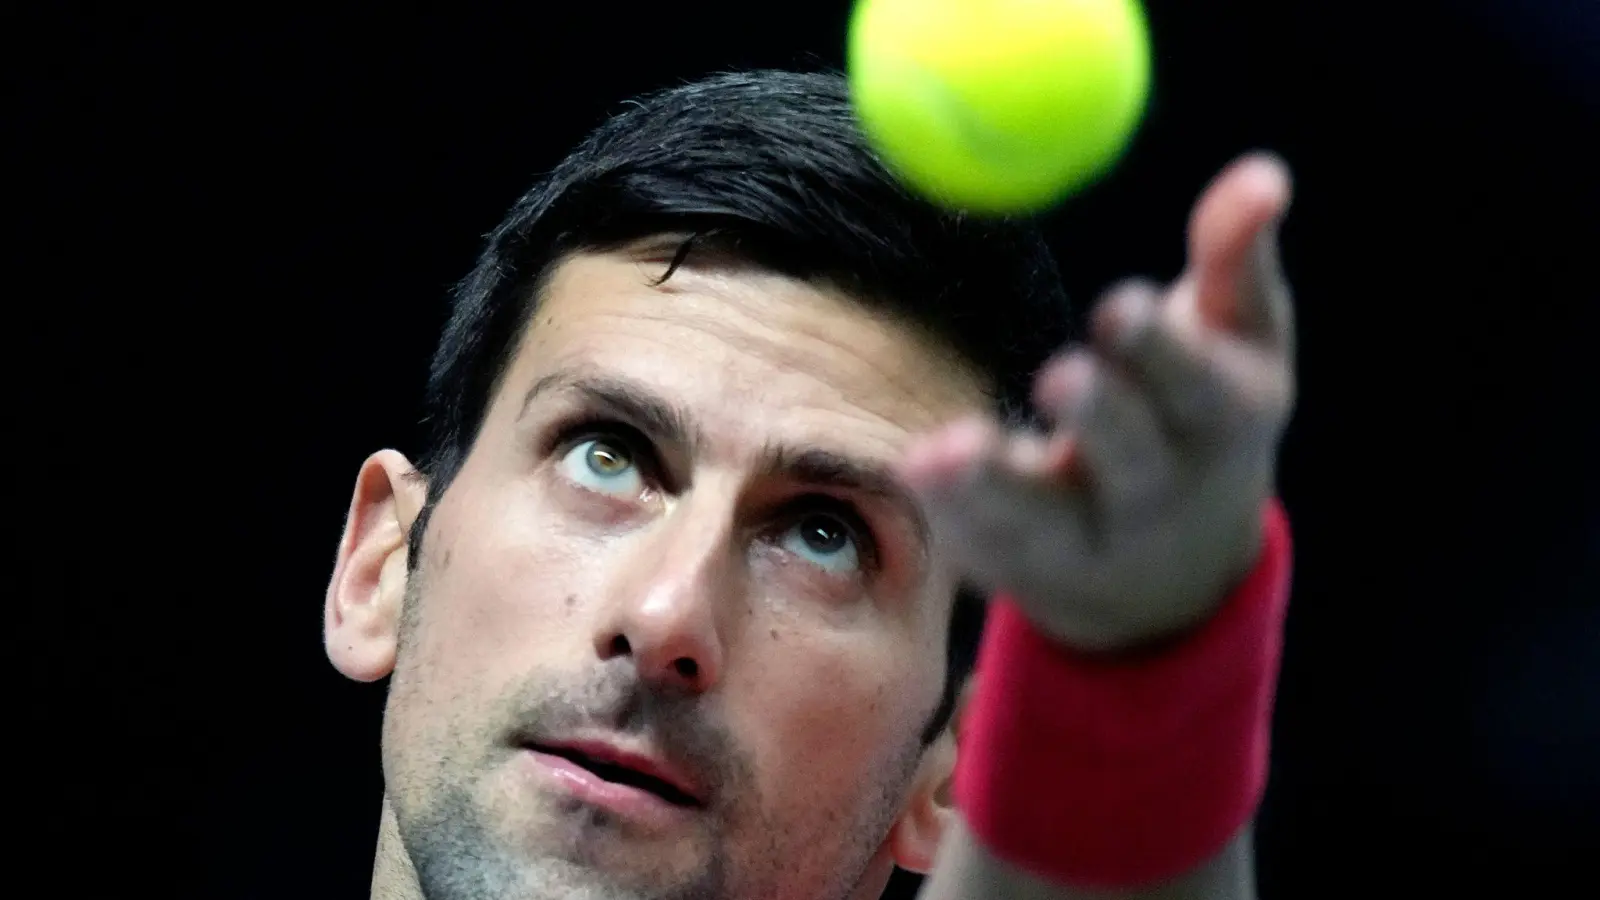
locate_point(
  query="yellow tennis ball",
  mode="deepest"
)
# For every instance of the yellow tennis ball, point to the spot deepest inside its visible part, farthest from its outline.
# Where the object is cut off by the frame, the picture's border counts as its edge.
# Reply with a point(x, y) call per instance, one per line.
point(999, 106)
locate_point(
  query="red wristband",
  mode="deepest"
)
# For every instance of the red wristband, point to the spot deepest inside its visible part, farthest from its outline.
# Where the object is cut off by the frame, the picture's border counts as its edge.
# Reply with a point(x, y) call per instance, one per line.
point(1115, 773)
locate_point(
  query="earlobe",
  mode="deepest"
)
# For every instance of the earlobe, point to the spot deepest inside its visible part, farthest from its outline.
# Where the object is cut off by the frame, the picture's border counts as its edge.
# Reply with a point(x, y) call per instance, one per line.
point(914, 841)
point(362, 611)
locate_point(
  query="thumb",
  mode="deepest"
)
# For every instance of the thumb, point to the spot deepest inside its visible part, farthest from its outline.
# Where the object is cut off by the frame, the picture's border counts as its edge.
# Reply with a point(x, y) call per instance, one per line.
point(1233, 250)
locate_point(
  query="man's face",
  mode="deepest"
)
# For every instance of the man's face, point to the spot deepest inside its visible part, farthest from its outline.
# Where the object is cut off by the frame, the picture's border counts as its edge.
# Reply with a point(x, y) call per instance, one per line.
point(676, 545)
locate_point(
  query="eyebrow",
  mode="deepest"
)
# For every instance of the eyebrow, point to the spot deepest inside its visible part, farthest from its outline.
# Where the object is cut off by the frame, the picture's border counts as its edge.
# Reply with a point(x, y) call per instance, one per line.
point(642, 407)
point(824, 468)
point(809, 466)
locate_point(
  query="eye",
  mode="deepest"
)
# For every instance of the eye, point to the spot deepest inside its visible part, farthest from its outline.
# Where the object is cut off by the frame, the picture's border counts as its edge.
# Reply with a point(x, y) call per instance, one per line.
point(604, 465)
point(826, 541)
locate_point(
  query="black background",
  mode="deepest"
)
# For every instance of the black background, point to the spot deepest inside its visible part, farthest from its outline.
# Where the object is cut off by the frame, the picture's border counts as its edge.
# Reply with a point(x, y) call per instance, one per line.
point(246, 222)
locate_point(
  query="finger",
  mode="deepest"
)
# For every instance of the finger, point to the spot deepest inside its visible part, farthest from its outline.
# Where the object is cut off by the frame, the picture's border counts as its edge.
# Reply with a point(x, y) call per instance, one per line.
point(1153, 338)
point(1199, 382)
point(1233, 253)
point(943, 459)
point(994, 524)
point(1052, 458)
point(1005, 531)
point(1123, 450)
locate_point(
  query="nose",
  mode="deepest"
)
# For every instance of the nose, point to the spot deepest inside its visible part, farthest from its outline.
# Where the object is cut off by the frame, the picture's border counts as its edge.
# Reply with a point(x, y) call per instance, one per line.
point(666, 602)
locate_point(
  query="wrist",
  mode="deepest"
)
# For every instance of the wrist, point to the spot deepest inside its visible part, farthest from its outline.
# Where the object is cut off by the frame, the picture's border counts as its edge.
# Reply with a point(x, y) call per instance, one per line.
point(1119, 772)
point(1188, 606)
point(1159, 604)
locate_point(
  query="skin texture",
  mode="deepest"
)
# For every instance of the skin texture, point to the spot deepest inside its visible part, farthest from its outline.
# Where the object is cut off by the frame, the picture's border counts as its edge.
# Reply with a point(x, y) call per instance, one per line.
point(1133, 517)
point(560, 602)
point(685, 612)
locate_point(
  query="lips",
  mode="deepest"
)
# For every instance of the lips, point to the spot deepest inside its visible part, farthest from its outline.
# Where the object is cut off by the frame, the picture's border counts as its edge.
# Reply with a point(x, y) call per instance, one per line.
point(636, 770)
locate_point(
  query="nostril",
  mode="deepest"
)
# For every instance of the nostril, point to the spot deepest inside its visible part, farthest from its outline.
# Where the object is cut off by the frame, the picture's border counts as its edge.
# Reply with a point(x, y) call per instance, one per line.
point(619, 646)
point(686, 667)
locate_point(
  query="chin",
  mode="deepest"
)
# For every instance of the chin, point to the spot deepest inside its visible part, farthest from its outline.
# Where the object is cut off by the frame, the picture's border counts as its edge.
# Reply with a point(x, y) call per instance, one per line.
point(563, 840)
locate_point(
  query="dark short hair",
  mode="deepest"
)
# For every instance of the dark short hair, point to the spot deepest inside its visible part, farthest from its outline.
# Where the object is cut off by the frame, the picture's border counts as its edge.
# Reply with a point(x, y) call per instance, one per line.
point(771, 167)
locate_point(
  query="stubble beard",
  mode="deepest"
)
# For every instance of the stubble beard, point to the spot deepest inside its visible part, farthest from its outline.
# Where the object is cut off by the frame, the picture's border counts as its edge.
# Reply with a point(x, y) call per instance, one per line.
point(457, 857)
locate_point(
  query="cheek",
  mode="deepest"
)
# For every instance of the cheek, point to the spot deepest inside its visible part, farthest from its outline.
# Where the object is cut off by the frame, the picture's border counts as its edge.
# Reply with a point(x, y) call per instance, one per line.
point(495, 592)
point(826, 717)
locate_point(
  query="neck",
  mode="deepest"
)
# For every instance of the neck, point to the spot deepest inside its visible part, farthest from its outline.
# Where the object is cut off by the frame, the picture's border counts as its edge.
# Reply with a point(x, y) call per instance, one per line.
point(393, 877)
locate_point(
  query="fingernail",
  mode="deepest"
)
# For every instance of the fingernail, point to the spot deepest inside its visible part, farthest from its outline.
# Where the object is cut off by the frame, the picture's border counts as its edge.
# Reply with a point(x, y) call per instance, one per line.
point(1063, 383)
point(936, 461)
point(1027, 455)
point(1131, 313)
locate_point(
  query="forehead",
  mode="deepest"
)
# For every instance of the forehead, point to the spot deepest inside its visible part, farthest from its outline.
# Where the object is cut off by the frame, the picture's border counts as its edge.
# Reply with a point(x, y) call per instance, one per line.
point(755, 355)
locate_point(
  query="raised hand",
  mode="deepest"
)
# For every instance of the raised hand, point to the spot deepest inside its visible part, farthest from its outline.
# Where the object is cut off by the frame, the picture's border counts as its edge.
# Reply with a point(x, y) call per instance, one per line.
point(1133, 516)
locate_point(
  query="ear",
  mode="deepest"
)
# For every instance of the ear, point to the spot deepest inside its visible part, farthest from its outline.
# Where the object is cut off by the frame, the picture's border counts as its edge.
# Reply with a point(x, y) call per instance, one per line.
point(362, 613)
point(930, 812)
